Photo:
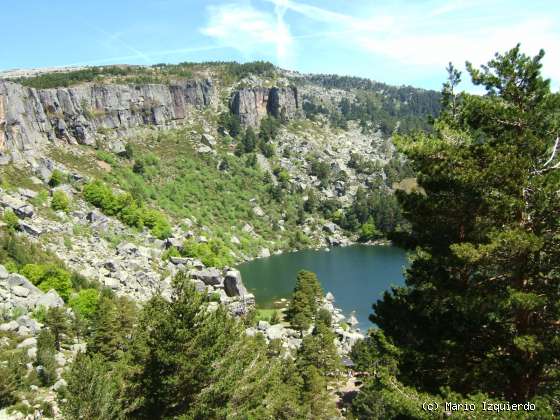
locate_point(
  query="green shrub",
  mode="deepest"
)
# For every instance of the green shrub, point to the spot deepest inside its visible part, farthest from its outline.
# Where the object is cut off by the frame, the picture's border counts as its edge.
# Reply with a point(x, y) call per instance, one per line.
point(57, 178)
point(60, 201)
point(127, 209)
point(58, 279)
point(8, 387)
point(106, 157)
point(368, 232)
point(85, 302)
point(34, 272)
point(11, 220)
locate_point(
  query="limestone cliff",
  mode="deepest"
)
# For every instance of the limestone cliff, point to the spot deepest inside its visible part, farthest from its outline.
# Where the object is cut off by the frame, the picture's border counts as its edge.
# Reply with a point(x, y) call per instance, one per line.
point(30, 117)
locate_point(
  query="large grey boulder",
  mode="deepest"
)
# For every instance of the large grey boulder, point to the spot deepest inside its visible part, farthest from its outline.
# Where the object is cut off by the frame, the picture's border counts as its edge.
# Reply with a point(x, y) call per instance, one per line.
point(19, 207)
point(51, 299)
point(30, 228)
point(9, 326)
point(28, 342)
point(210, 276)
point(29, 323)
point(233, 284)
point(17, 280)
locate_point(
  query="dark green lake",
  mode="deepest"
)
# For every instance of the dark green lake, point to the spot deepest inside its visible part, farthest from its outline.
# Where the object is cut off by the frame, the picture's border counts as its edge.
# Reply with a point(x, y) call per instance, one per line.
point(356, 275)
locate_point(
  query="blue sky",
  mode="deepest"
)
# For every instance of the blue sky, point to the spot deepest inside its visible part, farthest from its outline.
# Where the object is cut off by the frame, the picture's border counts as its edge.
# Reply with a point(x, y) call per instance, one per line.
point(397, 42)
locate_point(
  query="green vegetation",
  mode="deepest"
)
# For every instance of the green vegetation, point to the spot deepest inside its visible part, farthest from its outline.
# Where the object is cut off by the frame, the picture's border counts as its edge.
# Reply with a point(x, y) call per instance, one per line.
point(60, 201)
point(217, 192)
point(212, 254)
point(84, 303)
point(373, 214)
point(158, 73)
point(127, 209)
point(11, 220)
point(386, 107)
point(477, 319)
point(304, 304)
point(57, 178)
point(181, 360)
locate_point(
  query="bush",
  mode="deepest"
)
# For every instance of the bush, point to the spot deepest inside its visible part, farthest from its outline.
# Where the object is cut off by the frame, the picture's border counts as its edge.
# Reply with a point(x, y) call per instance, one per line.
point(127, 209)
point(7, 387)
point(11, 220)
point(57, 178)
point(60, 201)
point(85, 302)
point(58, 279)
point(34, 272)
point(368, 232)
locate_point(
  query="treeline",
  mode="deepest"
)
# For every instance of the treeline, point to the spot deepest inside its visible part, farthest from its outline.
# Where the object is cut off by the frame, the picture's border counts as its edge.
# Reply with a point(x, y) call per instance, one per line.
point(383, 106)
point(157, 73)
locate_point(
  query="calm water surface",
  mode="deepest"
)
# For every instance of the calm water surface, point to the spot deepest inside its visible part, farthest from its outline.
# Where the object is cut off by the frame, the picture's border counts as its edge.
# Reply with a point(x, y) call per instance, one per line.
point(356, 275)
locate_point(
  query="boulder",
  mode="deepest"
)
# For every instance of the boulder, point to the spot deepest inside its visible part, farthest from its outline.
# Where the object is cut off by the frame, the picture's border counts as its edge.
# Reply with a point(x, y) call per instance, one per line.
point(199, 286)
point(330, 227)
point(180, 260)
point(174, 242)
point(233, 284)
point(60, 359)
point(263, 325)
point(30, 228)
point(51, 299)
point(275, 332)
point(28, 342)
point(9, 326)
point(19, 207)
point(61, 383)
point(210, 276)
point(27, 193)
point(3, 273)
point(18, 280)
point(264, 253)
point(20, 291)
point(32, 352)
point(208, 140)
point(32, 325)
point(258, 211)
point(110, 265)
point(127, 248)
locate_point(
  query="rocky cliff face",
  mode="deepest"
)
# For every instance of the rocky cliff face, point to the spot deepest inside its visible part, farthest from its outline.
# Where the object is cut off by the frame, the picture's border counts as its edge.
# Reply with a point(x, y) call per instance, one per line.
point(30, 117)
point(253, 104)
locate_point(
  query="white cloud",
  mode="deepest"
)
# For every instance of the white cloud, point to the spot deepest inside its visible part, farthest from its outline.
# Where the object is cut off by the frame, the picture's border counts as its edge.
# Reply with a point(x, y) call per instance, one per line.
point(250, 31)
point(429, 38)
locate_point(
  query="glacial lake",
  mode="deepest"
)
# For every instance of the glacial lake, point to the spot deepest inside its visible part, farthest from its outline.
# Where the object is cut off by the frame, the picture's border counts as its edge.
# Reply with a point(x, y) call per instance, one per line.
point(357, 276)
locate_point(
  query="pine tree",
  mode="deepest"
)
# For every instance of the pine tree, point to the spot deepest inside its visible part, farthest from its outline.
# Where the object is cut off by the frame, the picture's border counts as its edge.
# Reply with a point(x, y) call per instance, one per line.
point(91, 392)
point(45, 357)
point(104, 337)
point(8, 387)
point(480, 308)
point(58, 323)
point(304, 303)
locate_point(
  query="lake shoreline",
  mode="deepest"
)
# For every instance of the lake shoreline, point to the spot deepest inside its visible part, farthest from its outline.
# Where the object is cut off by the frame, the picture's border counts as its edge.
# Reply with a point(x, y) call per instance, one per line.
point(357, 275)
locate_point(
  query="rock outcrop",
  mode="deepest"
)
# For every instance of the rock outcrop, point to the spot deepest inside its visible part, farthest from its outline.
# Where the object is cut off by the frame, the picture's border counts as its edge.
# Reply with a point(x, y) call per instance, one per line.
point(30, 117)
point(251, 105)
